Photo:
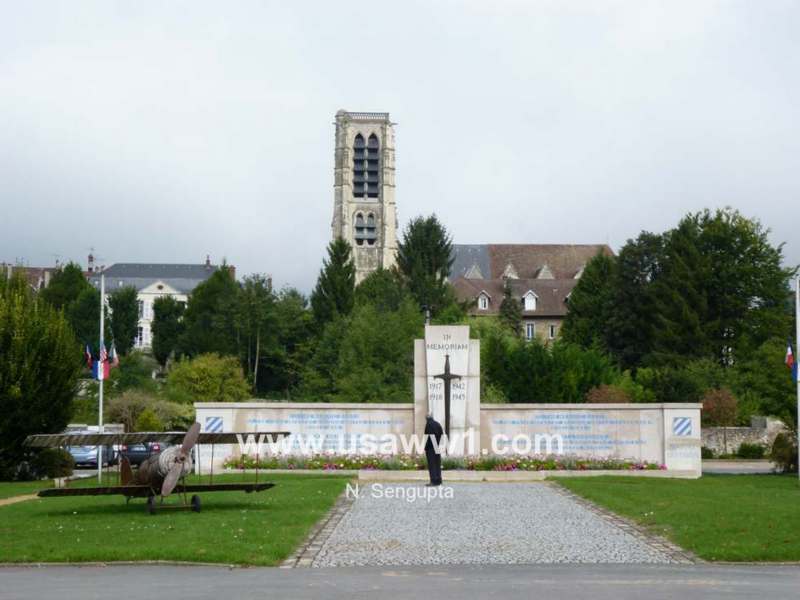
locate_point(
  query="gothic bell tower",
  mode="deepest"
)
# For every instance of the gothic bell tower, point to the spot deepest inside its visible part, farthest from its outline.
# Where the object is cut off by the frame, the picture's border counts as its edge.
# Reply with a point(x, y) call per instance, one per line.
point(364, 211)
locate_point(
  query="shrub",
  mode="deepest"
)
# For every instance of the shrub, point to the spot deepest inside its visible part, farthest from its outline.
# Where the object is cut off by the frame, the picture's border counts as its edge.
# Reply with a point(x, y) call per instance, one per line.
point(669, 384)
point(784, 453)
point(148, 421)
point(747, 450)
point(607, 394)
point(127, 408)
point(207, 378)
point(719, 408)
point(706, 453)
point(52, 463)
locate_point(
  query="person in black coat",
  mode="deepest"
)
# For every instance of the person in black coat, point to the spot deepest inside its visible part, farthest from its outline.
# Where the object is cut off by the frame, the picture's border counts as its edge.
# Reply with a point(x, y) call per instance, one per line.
point(433, 430)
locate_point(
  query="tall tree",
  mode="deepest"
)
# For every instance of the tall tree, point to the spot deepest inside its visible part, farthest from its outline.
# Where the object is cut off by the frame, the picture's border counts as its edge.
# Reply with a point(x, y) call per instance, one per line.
point(65, 286)
point(629, 331)
point(84, 316)
point(722, 289)
point(424, 257)
point(511, 310)
point(257, 320)
point(167, 327)
point(210, 319)
point(590, 304)
point(285, 361)
point(334, 292)
point(124, 317)
point(682, 320)
point(38, 372)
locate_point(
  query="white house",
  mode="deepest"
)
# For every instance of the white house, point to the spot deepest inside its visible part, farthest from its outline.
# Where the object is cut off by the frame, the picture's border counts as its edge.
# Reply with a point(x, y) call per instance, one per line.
point(154, 281)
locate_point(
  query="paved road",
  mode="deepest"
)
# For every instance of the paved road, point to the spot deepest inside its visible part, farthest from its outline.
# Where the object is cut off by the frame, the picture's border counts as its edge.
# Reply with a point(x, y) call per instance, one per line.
point(512, 523)
point(572, 582)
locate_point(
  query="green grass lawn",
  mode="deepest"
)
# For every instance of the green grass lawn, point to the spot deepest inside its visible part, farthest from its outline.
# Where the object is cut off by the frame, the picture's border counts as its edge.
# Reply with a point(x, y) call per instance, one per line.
point(718, 517)
point(20, 488)
point(233, 527)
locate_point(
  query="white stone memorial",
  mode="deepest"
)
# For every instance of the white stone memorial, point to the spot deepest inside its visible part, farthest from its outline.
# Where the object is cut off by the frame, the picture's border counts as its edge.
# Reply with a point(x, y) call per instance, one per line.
point(449, 344)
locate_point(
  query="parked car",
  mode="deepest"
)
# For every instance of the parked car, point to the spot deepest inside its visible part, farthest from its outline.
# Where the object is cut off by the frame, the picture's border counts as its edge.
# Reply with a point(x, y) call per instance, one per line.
point(86, 456)
point(138, 453)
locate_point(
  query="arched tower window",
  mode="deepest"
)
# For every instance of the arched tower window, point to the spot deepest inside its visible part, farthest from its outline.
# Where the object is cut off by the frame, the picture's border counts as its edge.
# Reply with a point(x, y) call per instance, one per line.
point(366, 172)
point(366, 231)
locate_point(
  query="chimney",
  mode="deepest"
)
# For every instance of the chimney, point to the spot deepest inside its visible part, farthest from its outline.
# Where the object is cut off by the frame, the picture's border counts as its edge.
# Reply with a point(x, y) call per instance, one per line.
point(208, 261)
point(91, 263)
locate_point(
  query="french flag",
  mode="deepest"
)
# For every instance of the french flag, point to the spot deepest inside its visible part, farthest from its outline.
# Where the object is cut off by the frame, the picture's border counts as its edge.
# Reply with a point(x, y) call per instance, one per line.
point(100, 367)
point(790, 361)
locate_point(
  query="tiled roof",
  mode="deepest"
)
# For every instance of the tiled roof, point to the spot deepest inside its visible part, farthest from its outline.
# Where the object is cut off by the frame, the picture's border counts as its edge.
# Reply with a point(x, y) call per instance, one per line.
point(563, 260)
point(551, 294)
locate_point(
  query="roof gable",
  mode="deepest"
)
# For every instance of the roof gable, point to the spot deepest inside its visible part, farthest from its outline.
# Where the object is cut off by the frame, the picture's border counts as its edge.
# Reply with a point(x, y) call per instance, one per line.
point(563, 260)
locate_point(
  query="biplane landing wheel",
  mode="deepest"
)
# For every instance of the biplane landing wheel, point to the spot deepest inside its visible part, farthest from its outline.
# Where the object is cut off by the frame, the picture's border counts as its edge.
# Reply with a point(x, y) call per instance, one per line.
point(151, 505)
point(195, 503)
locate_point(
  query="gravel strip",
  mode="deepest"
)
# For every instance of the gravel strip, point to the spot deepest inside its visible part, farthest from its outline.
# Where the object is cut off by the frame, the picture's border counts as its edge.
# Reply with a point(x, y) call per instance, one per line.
point(511, 523)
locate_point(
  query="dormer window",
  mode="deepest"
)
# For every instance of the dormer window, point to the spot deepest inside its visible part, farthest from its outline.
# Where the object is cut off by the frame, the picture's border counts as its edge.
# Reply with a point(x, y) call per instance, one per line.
point(529, 301)
point(510, 272)
point(483, 301)
point(545, 273)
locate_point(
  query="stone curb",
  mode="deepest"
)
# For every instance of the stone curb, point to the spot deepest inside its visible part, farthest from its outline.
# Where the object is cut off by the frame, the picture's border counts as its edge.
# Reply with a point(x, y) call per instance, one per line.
point(121, 563)
point(474, 476)
point(304, 556)
point(661, 544)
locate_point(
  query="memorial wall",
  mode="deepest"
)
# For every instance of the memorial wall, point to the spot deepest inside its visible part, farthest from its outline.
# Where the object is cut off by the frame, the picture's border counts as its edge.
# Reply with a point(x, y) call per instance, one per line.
point(667, 434)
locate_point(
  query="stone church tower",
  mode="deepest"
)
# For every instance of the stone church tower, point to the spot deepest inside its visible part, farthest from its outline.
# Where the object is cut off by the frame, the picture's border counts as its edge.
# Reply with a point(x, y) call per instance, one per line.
point(364, 210)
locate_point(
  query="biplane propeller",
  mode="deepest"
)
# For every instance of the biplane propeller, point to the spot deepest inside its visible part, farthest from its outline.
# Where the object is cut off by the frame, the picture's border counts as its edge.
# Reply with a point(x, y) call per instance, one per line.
point(160, 474)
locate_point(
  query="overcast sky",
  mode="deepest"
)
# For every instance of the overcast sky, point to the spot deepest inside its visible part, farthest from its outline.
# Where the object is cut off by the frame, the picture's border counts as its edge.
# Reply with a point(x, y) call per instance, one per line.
point(165, 131)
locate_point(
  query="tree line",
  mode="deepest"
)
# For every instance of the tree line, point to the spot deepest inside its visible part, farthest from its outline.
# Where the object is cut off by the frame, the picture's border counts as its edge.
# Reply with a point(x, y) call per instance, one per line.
point(703, 306)
point(345, 342)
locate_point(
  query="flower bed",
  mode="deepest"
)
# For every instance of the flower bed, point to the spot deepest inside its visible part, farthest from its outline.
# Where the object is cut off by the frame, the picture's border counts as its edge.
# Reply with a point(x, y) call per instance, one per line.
point(328, 462)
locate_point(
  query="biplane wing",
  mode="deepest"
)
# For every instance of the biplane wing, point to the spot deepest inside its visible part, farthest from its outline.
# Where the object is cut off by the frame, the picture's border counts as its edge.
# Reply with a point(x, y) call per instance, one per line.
point(143, 491)
point(57, 440)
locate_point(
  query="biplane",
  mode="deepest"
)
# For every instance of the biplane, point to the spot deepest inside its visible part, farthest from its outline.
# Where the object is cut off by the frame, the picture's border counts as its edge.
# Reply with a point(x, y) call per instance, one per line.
point(161, 474)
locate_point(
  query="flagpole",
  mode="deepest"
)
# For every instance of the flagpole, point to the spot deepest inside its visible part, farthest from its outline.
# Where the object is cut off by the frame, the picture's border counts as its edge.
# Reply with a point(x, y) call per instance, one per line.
point(797, 367)
point(101, 374)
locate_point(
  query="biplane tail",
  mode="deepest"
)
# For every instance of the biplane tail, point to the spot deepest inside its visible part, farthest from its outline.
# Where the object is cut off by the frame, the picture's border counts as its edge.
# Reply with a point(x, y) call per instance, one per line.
point(125, 471)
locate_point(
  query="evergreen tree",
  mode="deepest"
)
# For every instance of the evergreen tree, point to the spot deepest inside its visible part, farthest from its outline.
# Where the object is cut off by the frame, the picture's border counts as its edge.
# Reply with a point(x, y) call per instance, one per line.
point(84, 316)
point(511, 310)
point(629, 333)
point(424, 258)
point(166, 327)
point(590, 304)
point(334, 293)
point(681, 322)
point(124, 318)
